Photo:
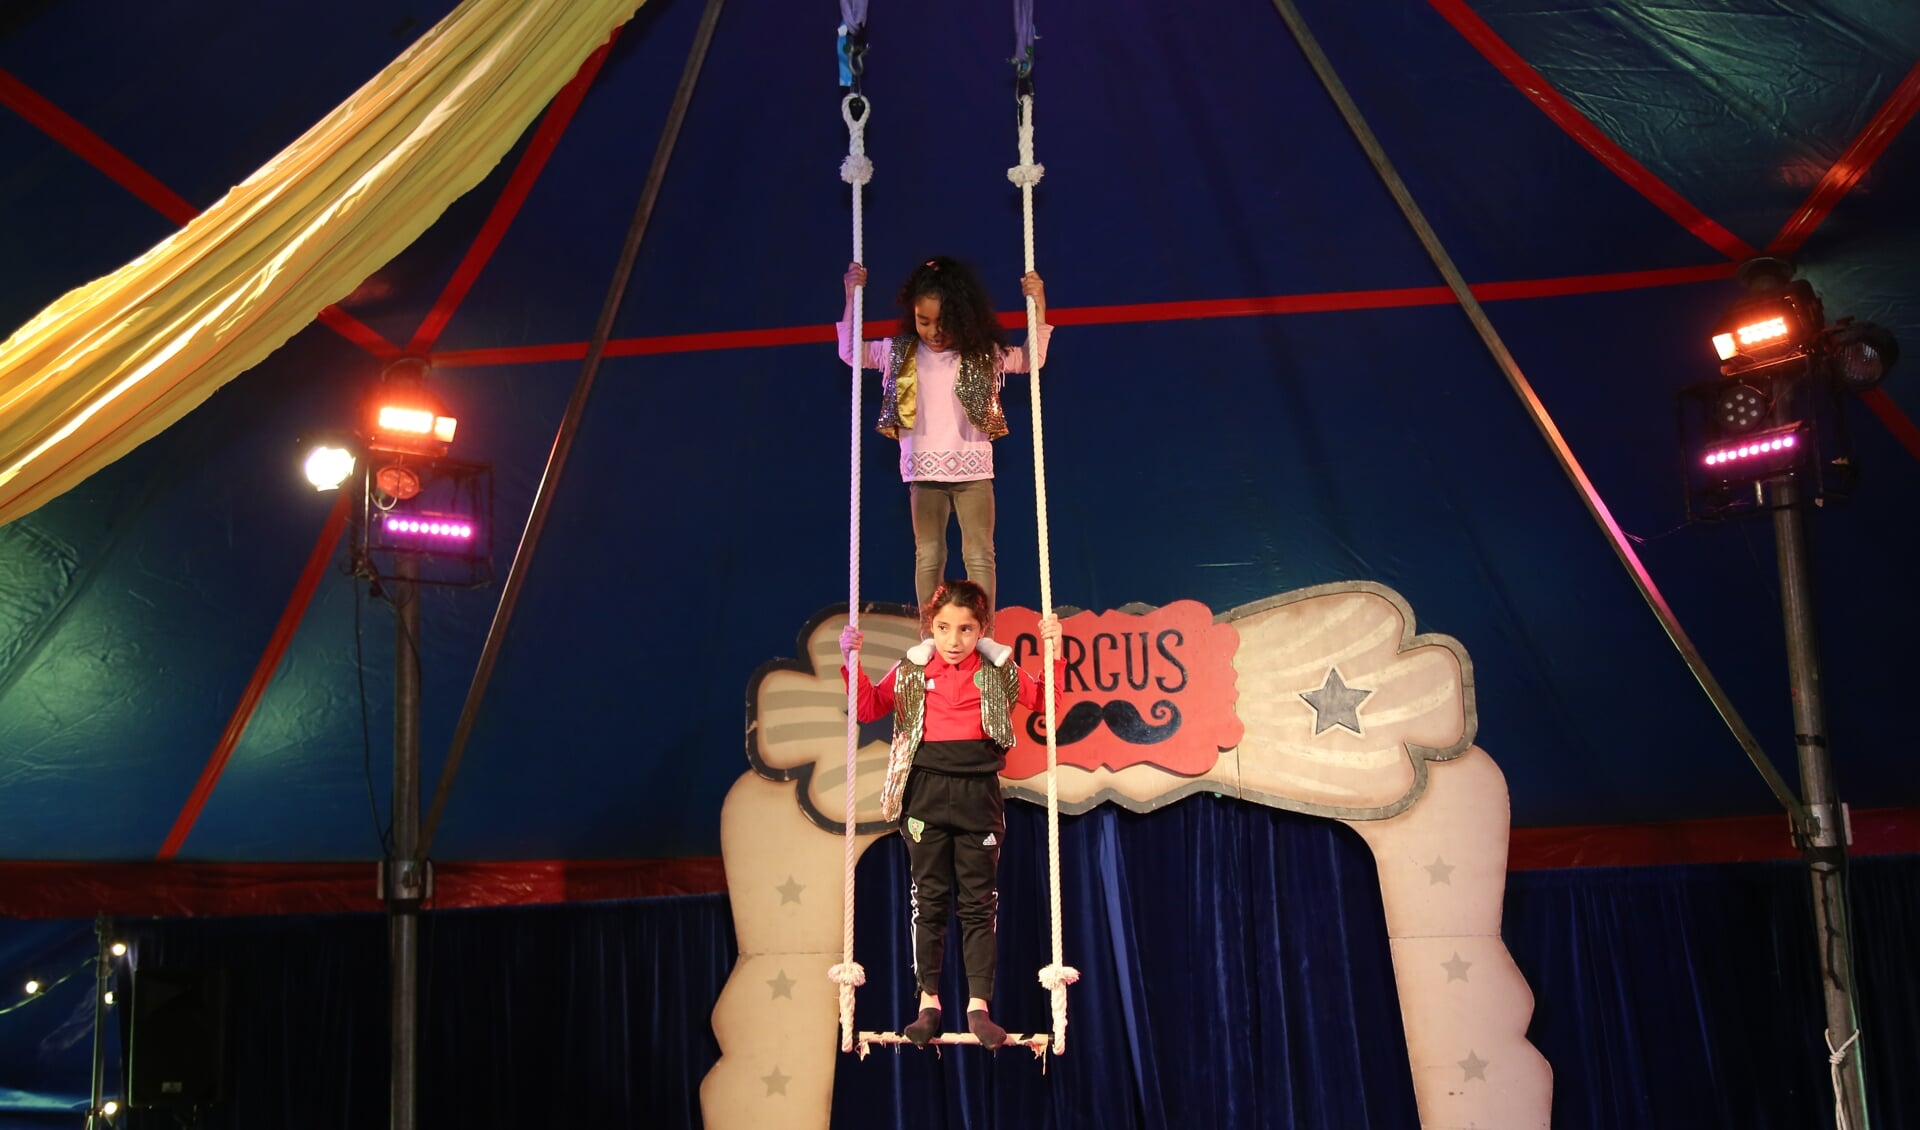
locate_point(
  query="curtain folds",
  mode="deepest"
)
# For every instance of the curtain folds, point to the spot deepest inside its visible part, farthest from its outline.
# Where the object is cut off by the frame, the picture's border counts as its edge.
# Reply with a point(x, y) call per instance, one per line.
point(113, 363)
point(1234, 975)
point(1234, 972)
point(590, 1015)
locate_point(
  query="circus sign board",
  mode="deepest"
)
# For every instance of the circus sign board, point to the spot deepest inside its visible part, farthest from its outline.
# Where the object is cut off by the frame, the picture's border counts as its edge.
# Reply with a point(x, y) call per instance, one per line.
point(1326, 701)
point(1155, 688)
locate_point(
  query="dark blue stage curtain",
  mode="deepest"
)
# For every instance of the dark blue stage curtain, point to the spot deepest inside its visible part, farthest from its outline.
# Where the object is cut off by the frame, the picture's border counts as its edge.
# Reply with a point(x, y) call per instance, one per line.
point(589, 1015)
point(1235, 974)
point(1687, 996)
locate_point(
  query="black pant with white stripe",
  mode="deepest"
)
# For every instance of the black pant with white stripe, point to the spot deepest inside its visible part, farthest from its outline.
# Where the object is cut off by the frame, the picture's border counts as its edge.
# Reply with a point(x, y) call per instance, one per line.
point(952, 826)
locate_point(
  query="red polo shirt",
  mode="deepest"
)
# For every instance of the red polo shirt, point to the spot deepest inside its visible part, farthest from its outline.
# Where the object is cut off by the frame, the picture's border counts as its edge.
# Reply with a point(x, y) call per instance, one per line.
point(953, 698)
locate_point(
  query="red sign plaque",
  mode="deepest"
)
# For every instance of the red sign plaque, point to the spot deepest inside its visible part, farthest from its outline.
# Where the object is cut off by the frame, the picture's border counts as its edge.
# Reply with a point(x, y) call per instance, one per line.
point(1154, 688)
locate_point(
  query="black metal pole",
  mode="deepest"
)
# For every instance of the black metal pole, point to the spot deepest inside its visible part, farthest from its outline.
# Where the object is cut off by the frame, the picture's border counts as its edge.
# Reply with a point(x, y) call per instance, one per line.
point(102, 969)
point(1822, 834)
point(403, 887)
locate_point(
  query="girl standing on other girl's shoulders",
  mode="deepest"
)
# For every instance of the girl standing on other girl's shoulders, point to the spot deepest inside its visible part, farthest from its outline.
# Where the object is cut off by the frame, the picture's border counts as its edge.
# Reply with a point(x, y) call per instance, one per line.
point(940, 397)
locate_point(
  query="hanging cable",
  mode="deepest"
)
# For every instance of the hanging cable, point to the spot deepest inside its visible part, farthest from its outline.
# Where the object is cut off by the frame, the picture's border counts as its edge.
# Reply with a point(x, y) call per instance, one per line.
point(855, 170)
point(1057, 975)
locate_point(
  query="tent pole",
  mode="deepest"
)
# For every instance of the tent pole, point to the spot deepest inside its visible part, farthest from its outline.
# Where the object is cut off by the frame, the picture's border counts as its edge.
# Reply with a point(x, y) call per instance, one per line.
point(1821, 830)
point(402, 887)
point(1542, 420)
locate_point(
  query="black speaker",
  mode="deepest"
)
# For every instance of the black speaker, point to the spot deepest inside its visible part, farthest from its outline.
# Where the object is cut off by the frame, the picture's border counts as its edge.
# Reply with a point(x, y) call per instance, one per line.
point(177, 1043)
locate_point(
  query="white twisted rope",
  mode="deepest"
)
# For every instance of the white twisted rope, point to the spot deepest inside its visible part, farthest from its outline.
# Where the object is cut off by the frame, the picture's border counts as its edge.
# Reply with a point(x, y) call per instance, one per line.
point(1836, 1060)
point(856, 170)
point(1027, 174)
point(1057, 975)
point(1055, 978)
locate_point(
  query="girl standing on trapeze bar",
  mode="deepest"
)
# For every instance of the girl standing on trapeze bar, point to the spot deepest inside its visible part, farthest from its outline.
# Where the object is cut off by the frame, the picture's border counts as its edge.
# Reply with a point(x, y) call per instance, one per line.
point(940, 397)
point(952, 699)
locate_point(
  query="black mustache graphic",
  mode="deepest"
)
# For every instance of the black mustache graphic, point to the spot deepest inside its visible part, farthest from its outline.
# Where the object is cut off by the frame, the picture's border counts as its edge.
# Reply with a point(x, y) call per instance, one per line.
point(1083, 719)
point(1120, 716)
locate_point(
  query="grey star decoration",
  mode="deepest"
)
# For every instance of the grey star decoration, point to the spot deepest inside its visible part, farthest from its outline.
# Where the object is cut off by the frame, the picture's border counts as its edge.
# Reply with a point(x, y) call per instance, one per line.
point(783, 985)
point(1439, 871)
point(880, 730)
point(776, 1082)
point(1335, 703)
point(1474, 1066)
point(790, 891)
point(1457, 968)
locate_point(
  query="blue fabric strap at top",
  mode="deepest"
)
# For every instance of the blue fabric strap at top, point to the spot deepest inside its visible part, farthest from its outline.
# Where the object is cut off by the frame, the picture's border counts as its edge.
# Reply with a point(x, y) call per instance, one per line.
point(850, 44)
point(1023, 35)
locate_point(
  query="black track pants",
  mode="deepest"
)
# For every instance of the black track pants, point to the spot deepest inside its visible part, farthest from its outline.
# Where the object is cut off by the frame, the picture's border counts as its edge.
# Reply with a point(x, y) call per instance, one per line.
point(953, 827)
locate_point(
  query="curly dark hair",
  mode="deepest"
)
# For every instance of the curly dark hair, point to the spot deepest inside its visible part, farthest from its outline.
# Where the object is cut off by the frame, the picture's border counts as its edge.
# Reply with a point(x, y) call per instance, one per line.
point(966, 312)
point(960, 594)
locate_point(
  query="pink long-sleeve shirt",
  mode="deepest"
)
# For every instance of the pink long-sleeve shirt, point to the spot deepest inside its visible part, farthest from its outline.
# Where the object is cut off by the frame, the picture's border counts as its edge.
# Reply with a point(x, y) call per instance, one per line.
point(943, 445)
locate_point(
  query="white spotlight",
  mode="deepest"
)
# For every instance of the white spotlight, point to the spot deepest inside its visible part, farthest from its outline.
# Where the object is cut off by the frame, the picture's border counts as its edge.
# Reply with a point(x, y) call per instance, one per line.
point(328, 467)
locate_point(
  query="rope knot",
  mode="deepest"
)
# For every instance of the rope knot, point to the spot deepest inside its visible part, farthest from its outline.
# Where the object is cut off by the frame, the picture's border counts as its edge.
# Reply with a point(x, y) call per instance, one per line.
point(1027, 174)
point(848, 973)
point(1056, 977)
point(856, 169)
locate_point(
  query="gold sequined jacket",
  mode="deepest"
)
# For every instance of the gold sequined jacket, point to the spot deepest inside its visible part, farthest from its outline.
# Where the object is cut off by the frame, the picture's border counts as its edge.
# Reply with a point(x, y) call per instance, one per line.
point(999, 690)
point(978, 388)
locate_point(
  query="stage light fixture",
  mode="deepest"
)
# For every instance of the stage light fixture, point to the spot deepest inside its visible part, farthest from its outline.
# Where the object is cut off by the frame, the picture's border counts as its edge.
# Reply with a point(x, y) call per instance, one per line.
point(404, 420)
point(1863, 354)
point(118, 949)
point(1769, 327)
point(1744, 406)
point(106, 998)
point(33, 988)
point(439, 516)
point(430, 527)
point(423, 515)
point(402, 416)
point(328, 466)
point(1757, 456)
point(110, 1108)
point(1776, 413)
point(398, 482)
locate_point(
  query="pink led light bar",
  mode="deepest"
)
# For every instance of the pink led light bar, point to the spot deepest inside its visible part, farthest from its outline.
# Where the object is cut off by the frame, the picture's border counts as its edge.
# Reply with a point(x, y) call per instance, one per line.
point(1740, 452)
point(430, 526)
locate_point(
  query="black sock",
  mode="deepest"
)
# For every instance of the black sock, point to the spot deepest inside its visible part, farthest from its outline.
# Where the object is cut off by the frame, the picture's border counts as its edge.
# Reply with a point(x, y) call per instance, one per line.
point(990, 1035)
point(925, 1028)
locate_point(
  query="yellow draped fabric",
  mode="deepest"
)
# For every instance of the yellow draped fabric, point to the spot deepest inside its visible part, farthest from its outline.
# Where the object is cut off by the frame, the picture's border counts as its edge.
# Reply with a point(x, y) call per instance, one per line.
point(117, 361)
